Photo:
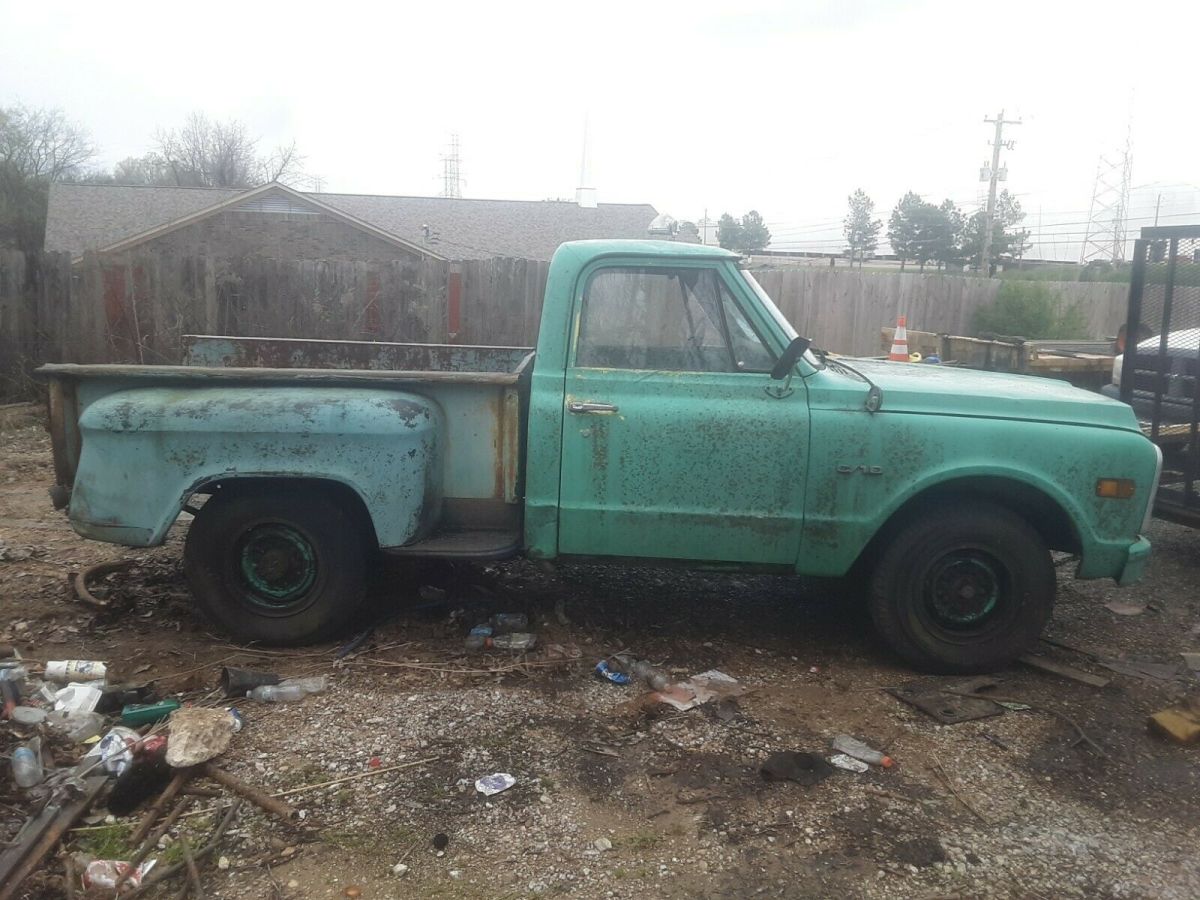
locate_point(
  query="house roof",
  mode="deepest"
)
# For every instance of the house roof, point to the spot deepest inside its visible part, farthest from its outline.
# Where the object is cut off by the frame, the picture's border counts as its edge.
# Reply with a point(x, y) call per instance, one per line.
point(270, 193)
point(84, 217)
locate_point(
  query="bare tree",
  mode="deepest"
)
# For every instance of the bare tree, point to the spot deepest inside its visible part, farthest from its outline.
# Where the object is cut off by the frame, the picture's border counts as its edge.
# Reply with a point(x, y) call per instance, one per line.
point(204, 153)
point(37, 146)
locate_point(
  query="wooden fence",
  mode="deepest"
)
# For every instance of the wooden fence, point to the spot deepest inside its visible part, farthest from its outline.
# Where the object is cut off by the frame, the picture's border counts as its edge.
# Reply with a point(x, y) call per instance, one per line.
point(134, 309)
point(843, 310)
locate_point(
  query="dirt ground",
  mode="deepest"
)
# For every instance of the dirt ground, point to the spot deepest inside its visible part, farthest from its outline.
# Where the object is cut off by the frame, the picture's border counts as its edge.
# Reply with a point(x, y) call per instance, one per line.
point(617, 799)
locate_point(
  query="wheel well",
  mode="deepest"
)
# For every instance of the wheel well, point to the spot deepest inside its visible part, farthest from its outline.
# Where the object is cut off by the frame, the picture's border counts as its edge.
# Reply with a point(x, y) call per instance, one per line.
point(1041, 511)
point(337, 492)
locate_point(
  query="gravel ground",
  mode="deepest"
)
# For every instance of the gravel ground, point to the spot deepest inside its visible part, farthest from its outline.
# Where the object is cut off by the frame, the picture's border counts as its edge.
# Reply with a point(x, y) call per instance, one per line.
point(616, 797)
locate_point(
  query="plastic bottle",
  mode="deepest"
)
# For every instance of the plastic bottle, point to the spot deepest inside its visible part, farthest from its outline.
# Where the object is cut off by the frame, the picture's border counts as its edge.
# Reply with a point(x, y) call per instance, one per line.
point(27, 764)
point(13, 673)
point(654, 678)
point(479, 637)
point(517, 640)
point(843, 743)
point(75, 670)
point(79, 726)
point(288, 690)
point(313, 684)
point(505, 623)
point(277, 693)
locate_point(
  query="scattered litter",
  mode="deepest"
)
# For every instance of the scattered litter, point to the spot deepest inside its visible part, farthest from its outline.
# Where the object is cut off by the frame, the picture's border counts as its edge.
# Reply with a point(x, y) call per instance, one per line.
point(605, 671)
point(726, 709)
point(114, 697)
point(64, 670)
point(516, 640)
point(441, 841)
point(483, 637)
point(352, 891)
point(1178, 723)
point(28, 715)
point(137, 714)
point(1056, 668)
point(494, 784)
point(507, 623)
point(27, 764)
point(949, 709)
point(103, 874)
point(238, 682)
point(289, 689)
point(699, 689)
point(563, 651)
point(602, 844)
point(197, 735)
point(849, 763)
point(802, 768)
point(843, 743)
point(560, 612)
point(400, 869)
point(99, 570)
point(1015, 707)
point(1124, 609)
point(77, 698)
point(115, 749)
point(78, 726)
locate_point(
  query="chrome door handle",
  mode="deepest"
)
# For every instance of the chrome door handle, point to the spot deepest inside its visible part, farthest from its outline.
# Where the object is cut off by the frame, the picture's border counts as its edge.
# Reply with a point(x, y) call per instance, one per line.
point(577, 406)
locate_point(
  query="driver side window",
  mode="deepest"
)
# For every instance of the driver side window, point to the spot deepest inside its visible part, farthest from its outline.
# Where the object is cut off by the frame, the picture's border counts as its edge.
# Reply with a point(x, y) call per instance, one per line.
point(664, 319)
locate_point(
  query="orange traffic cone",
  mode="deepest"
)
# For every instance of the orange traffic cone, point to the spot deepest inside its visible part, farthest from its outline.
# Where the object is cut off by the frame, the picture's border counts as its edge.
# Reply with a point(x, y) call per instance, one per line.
point(899, 342)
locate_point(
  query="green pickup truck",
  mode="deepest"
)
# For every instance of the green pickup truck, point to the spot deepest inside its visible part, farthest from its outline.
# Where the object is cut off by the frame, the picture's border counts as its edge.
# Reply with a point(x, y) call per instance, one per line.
point(670, 414)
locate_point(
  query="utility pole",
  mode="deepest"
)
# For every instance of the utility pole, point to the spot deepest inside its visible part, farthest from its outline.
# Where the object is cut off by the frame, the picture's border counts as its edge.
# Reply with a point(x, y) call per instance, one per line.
point(994, 175)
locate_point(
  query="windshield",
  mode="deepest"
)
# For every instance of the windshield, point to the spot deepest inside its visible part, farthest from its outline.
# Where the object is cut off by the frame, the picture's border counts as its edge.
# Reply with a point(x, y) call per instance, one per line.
point(780, 319)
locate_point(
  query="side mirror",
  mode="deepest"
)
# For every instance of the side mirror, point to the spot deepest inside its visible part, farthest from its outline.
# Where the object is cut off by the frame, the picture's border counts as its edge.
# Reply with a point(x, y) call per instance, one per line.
point(787, 362)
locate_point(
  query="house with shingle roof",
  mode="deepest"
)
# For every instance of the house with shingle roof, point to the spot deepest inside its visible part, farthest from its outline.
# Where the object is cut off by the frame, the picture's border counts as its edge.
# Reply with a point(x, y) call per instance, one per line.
point(276, 221)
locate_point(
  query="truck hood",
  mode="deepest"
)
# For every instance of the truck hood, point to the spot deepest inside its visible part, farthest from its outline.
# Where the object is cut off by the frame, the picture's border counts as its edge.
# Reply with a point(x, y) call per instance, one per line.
point(948, 390)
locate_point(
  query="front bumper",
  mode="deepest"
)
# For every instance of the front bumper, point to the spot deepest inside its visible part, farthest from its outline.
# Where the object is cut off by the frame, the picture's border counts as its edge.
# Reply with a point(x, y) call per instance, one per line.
point(1137, 557)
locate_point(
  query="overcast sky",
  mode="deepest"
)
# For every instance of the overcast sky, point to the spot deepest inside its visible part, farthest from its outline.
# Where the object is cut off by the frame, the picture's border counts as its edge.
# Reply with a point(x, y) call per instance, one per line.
point(782, 107)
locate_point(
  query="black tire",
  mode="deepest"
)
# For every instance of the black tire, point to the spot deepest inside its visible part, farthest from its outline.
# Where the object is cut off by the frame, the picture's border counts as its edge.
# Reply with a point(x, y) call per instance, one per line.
point(962, 590)
point(277, 565)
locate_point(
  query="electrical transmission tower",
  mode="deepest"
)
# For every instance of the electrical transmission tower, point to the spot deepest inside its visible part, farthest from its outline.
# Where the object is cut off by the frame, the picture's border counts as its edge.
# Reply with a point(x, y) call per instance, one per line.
point(993, 174)
point(1105, 236)
point(452, 170)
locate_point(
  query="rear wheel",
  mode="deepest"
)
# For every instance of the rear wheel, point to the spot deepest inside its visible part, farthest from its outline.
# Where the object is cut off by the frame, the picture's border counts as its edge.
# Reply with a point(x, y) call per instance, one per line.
point(276, 565)
point(963, 590)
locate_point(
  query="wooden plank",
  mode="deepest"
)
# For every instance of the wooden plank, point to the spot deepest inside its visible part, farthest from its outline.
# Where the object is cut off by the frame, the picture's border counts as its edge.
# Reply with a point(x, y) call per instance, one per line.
point(39, 835)
point(1043, 664)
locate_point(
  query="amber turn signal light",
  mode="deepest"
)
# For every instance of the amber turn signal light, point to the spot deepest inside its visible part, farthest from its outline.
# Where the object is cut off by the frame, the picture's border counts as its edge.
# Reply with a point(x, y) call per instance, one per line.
point(1115, 488)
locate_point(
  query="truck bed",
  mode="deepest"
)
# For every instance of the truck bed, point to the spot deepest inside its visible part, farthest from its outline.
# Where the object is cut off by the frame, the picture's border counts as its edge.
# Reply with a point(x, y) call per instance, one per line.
point(482, 392)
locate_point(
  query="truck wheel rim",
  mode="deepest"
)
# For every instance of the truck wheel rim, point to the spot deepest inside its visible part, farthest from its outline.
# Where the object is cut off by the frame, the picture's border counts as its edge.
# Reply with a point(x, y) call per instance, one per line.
point(964, 589)
point(277, 563)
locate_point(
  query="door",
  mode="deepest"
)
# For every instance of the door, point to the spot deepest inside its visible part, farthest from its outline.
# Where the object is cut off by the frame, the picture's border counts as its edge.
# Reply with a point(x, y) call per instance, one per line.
point(676, 441)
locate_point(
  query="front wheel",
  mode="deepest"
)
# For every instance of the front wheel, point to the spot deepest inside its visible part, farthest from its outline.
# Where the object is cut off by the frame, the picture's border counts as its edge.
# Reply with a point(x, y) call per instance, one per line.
point(963, 590)
point(276, 565)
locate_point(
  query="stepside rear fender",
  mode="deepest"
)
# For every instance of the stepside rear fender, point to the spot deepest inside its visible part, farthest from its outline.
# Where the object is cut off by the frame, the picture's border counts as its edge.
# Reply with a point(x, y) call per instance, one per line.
point(146, 450)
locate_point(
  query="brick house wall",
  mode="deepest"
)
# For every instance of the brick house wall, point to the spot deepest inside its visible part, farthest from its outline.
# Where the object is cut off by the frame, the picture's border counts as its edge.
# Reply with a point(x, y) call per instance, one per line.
point(238, 233)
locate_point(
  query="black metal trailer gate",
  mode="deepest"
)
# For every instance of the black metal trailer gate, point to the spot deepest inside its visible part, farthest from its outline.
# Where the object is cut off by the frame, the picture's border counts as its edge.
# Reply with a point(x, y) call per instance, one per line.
point(1161, 365)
